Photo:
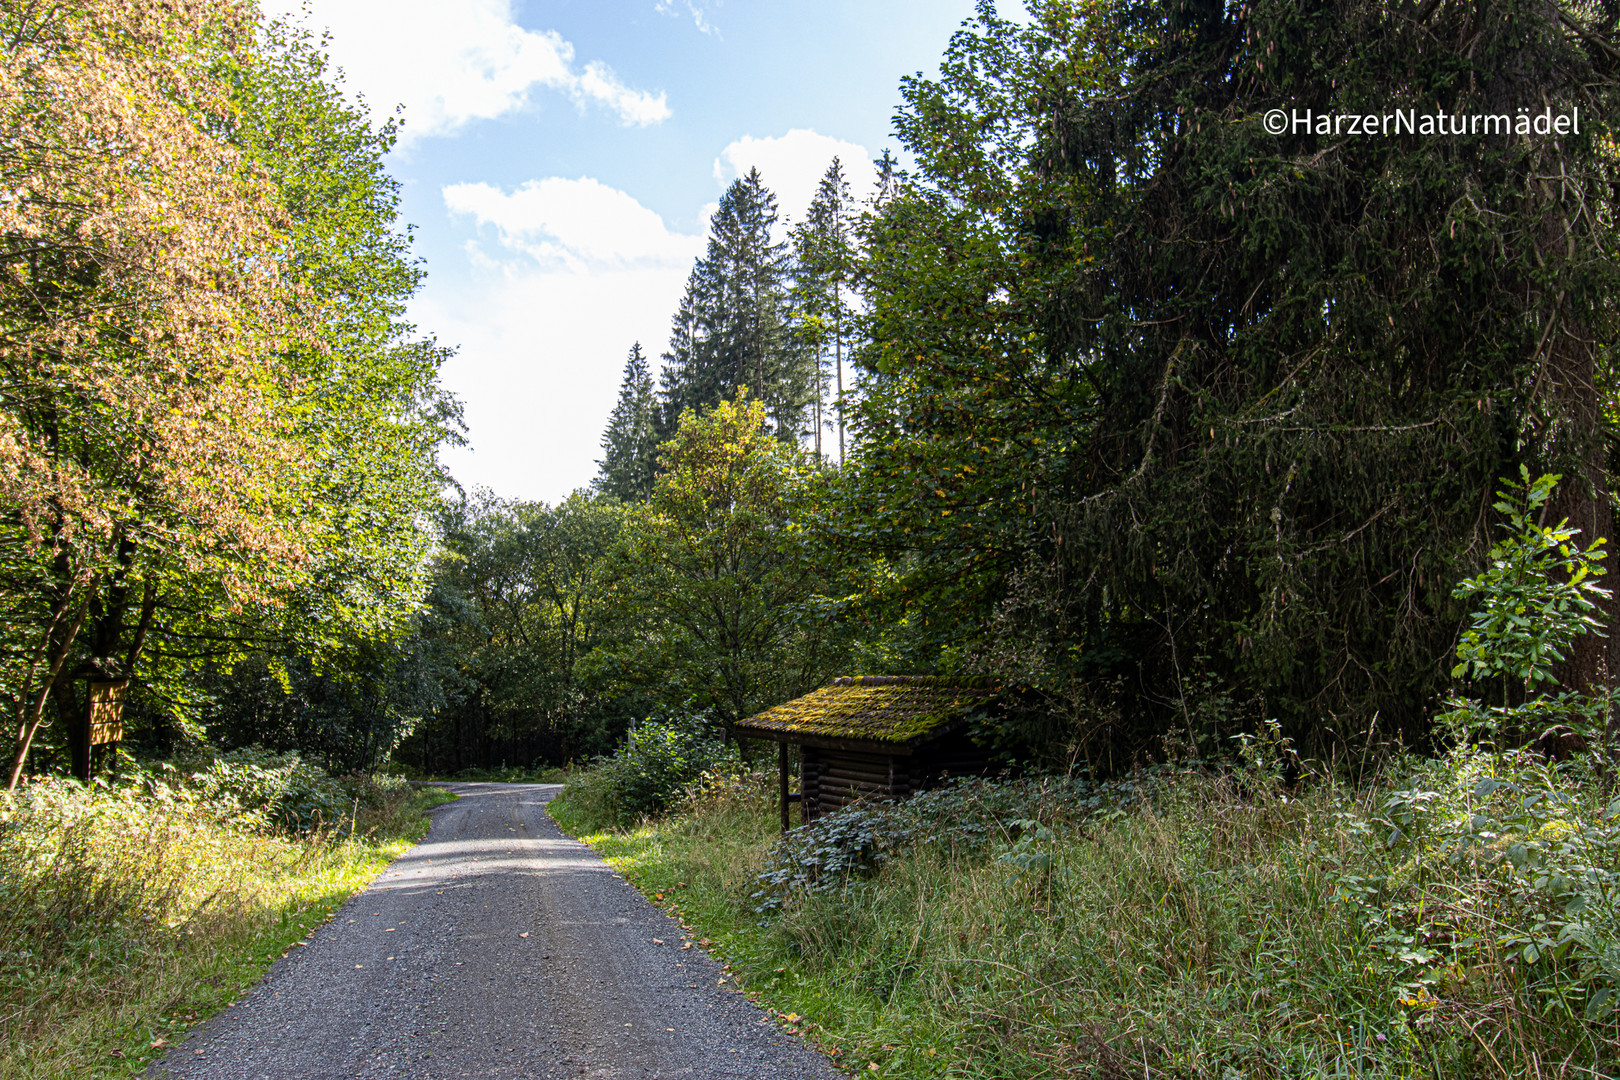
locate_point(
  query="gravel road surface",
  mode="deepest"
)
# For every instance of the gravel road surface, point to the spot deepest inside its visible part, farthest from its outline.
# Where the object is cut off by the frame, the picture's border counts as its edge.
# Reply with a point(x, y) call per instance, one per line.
point(497, 947)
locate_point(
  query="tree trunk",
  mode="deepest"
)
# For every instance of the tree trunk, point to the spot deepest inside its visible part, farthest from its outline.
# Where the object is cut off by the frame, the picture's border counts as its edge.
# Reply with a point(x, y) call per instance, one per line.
point(29, 725)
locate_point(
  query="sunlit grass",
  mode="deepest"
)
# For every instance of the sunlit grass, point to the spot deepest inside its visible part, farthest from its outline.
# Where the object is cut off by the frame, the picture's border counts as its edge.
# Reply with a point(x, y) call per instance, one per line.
point(126, 920)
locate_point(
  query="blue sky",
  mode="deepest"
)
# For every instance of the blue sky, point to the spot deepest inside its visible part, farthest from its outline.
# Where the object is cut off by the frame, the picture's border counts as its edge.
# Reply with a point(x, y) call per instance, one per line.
point(560, 162)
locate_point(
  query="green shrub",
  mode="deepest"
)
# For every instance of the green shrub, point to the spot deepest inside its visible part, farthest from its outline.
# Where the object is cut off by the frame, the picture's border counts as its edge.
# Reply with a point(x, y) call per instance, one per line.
point(1503, 861)
point(656, 767)
point(261, 789)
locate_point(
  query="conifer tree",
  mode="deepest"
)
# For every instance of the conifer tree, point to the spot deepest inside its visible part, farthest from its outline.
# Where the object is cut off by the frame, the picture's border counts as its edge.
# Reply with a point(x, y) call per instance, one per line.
point(1196, 391)
point(732, 329)
point(630, 443)
point(824, 262)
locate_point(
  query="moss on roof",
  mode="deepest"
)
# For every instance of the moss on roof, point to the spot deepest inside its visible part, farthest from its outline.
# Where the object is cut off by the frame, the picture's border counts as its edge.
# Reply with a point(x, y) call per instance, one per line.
point(875, 708)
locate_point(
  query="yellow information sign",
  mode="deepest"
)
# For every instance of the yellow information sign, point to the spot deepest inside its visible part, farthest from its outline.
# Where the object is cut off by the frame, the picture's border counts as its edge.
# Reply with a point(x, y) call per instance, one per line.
point(107, 712)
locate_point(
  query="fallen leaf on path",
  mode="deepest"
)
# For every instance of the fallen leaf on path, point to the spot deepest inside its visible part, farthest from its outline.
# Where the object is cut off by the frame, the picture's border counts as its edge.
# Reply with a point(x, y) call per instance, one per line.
point(524, 934)
point(686, 944)
point(658, 941)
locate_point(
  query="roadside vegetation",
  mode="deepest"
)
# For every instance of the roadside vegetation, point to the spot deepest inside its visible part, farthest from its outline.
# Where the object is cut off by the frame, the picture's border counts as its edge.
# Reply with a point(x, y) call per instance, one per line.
point(1181, 923)
point(1258, 916)
point(134, 908)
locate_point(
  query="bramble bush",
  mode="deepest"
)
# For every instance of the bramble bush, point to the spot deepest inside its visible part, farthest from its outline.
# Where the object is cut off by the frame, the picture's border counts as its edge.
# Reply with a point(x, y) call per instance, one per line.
point(966, 818)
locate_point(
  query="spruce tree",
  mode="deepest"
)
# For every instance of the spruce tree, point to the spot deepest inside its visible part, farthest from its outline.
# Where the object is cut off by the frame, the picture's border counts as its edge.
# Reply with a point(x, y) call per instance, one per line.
point(732, 329)
point(630, 444)
point(1208, 406)
point(824, 260)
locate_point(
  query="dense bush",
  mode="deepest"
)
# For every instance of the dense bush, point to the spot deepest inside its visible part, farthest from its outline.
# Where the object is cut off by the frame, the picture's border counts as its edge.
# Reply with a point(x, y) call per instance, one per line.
point(261, 789)
point(1506, 862)
point(656, 766)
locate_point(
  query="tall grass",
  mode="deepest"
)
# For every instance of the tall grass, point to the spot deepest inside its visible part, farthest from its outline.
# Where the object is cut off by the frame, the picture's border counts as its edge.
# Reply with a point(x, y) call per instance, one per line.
point(127, 914)
point(1216, 930)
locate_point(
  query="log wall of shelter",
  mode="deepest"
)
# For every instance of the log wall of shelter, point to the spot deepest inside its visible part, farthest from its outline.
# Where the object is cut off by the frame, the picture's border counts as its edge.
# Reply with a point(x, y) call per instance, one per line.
point(832, 779)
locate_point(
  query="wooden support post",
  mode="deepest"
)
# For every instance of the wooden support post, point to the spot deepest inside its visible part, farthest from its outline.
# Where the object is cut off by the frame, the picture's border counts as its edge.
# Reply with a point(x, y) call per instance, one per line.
point(782, 777)
point(79, 736)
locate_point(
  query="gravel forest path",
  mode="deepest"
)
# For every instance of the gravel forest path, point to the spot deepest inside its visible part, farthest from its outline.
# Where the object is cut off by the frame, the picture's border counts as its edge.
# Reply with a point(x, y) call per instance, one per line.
point(497, 947)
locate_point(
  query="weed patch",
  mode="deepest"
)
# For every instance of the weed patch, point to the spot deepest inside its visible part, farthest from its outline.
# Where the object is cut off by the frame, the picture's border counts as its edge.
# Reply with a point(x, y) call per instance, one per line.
point(130, 914)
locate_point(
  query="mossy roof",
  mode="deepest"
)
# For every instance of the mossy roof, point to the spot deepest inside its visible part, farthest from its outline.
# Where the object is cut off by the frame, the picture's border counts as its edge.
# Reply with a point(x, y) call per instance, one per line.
point(875, 708)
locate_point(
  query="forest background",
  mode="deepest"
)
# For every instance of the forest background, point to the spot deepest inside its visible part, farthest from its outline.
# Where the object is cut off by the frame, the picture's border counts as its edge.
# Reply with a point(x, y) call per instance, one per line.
point(1279, 465)
point(1181, 425)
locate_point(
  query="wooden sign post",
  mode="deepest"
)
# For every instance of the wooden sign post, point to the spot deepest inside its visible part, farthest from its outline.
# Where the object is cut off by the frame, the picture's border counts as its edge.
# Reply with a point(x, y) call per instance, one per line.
point(101, 723)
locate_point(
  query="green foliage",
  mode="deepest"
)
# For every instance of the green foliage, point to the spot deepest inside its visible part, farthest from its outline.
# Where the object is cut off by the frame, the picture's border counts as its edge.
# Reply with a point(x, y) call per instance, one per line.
point(1146, 383)
point(257, 789)
point(350, 717)
point(714, 574)
point(521, 599)
point(1537, 595)
point(659, 761)
point(1532, 844)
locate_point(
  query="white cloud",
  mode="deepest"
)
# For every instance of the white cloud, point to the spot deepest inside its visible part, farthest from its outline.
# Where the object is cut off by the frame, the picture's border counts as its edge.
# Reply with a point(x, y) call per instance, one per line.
point(792, 164)
point(580, 222)
point(543, 342)
point(564, 275)
point(451, 64)
point(698, 11)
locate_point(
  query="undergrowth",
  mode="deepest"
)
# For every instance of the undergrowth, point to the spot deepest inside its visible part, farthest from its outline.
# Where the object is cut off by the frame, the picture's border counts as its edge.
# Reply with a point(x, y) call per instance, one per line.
point(1197, 925)
point(130, 911)
point(511, 774)
point(658, 761)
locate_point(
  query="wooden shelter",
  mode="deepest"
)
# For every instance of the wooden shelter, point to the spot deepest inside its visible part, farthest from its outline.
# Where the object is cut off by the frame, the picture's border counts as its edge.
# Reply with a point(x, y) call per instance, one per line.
point(875, 737)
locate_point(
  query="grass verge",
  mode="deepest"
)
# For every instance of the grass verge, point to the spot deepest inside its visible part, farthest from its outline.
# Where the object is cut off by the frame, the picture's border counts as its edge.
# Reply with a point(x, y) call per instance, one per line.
point(1211, 932)
point(127, 920)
